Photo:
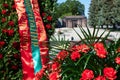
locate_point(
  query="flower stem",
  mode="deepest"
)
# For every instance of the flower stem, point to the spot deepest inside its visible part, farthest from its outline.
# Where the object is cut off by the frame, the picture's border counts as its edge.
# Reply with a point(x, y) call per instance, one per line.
point(87, 61)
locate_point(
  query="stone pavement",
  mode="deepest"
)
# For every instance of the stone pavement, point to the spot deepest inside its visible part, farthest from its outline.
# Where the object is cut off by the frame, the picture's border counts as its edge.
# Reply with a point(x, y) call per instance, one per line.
point(71, 35)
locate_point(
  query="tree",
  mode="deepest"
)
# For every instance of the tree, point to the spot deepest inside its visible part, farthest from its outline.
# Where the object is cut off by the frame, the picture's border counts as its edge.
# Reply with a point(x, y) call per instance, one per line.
point(70, 7)
point(93, 13)
point(104, 12)
point(108, 14)
point(75, 7)
point(117, 11)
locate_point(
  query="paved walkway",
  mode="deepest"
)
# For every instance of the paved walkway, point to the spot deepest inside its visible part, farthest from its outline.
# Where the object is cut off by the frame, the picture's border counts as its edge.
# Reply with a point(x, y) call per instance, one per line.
point(71, 35)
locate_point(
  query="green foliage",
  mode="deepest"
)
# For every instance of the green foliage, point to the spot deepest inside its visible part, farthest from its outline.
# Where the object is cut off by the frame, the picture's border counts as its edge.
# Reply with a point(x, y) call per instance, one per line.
point(47, 11)
point(93, 52)
point(57, 44)
point(116, 10)
point(71, 7)
point(10, 64)
point(104, 12)
point(93, 12)
point(92, 36)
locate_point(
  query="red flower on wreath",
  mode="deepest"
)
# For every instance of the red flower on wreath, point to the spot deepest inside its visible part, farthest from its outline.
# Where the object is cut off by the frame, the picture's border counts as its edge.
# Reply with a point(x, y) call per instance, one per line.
point(11, 23)
point(62, 55)
point(16, 45)
point(3, 20)
point(17, 56)
point(1, 56)
point(75, 55)
point(81, 48)
point(110, 73)
point(55, 66)
point(100, 50)
point(100, 78)
point(5, 5)
point(10, 32)
point(54, 76)
point(49, 18)
point(4, 31)
point(2, 43)
point(117, 60)
point(14, 7)
point(3, 12)
point(87, 75)
point(48, 26)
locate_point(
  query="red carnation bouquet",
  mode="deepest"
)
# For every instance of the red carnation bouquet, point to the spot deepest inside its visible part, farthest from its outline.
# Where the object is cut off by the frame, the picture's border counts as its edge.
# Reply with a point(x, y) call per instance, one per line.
point(92, 58)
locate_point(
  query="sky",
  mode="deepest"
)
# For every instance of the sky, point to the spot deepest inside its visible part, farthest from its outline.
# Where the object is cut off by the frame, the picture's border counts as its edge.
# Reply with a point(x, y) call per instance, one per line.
point(85, 2)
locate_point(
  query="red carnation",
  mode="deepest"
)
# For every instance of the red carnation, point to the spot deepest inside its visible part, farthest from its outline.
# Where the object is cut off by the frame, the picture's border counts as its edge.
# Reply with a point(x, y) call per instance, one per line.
point(3, 20)
point(49, 18)
point(75, 55)
point(13, 7)
point(101, 53)
point(11, 23)
point(2, 43)
point(100, 50)
point(48, 26)
point(16, 56)
point(16, 45)
point(1, 56)
point(81, 48)
point(5, 5)
point(100, 78)
point(62, 55)
point(10, 32)
point(4, 31)
point(55, 66)
point(54, 76)
point(87, 75)
point(110, 73)
point(3, 12)
point(117, 60)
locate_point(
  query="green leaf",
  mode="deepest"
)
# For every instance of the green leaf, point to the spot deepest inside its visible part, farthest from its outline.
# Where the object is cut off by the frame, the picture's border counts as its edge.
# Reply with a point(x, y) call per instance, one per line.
point(76, 64)
point(79, 36)
point(87, 61)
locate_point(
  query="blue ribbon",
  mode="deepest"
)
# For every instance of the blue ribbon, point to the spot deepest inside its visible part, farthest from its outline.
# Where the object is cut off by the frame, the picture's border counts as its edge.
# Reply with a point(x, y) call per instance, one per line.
point(34, 37)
